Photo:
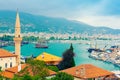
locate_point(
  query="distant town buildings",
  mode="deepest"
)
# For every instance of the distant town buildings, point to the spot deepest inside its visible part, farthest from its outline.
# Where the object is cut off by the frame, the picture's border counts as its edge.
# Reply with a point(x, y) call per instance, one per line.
point(66, 36)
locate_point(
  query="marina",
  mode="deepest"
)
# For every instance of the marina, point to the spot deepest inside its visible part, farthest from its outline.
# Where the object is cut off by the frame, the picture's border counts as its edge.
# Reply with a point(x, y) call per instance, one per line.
point(111, 55)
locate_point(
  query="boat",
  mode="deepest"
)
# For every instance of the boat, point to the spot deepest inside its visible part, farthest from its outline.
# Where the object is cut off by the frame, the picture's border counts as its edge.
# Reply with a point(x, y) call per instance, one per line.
point(25, 42)
point(90, 50)
point(3, 44)
point(95, 49)
point(42, 43)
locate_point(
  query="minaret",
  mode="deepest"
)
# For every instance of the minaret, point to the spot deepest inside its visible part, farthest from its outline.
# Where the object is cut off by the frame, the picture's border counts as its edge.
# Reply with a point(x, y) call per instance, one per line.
point(17, 38)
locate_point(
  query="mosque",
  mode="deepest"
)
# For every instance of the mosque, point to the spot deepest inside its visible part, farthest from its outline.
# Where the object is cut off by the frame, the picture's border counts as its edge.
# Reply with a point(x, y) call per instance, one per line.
point(8, 59)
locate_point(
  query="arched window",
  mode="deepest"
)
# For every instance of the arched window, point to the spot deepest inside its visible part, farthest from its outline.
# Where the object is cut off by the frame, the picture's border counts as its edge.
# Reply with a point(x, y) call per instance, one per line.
point(10, 64)
point(5, 65)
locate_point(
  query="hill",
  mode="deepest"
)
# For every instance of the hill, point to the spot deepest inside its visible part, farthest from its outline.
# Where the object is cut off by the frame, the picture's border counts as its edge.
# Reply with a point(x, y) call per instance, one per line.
point(37, 23)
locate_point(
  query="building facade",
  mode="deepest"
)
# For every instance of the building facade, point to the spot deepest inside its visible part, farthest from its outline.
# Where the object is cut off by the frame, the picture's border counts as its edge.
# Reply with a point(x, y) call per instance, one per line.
point(7, 59)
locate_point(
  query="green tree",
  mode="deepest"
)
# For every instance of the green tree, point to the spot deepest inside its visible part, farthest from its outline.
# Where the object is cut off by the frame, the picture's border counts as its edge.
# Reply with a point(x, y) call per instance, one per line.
point(71, 47)
point(35, 70)
point(38, 68)
point(37, 78)
point(16, 78)
point(1, 78)
point(90, 79)
point(72, 60)
point(52, 38)
point(27, 77)
point(6, 38)
point(62, 76)
point(68, 59)
point(0, 69)
point(53, 68)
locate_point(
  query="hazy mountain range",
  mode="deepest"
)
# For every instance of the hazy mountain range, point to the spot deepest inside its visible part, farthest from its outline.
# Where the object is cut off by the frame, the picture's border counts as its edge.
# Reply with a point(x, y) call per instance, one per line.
point(37, 23)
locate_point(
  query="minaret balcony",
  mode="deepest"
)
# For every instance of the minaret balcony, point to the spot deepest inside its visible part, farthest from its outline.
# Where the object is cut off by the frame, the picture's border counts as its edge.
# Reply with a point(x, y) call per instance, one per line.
point(17, 39)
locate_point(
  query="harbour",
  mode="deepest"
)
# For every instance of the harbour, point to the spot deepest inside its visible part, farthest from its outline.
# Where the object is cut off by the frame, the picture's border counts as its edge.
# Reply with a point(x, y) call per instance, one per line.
point(57, 48)
point(43, 40)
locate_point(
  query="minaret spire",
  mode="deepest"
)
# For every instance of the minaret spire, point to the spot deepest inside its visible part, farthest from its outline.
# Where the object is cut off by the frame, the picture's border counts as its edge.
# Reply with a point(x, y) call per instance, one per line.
point(17, 25)
point(17, 38)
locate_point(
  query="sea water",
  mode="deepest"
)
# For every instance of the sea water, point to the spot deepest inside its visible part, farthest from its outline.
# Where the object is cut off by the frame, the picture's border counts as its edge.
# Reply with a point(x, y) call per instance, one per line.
point(55, 48)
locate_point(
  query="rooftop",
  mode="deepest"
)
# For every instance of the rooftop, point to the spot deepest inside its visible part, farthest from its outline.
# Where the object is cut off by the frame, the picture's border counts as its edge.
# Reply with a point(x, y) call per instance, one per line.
point(10, 72)
point(48, 57)
point(5, 53)
point(85, 71)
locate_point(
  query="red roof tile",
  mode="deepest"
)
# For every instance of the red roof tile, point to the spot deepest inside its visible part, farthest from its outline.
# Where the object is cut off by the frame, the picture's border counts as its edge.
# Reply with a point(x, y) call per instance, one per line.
point(5, 53)
point(15, 69)
point(87, 71)
point(9, 73)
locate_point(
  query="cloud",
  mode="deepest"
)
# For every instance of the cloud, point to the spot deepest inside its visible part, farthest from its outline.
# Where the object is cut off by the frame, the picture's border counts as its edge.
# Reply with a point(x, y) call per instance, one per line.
point(98, 15)
point(109, 21)
point(94, 12)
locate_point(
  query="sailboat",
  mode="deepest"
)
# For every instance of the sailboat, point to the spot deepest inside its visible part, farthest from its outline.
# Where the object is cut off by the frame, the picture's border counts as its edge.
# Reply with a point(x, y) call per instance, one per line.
point(94, 49)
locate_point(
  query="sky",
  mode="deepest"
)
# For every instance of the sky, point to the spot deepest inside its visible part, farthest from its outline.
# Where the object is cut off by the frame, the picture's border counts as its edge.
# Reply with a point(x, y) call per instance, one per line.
point(92, 12)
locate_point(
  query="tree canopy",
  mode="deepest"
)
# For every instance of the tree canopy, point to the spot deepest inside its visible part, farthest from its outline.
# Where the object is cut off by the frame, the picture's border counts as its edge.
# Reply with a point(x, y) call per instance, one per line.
point(68, 59)
point(62, 76)
point(36, 70)
point(53, 68)
point(38, 67)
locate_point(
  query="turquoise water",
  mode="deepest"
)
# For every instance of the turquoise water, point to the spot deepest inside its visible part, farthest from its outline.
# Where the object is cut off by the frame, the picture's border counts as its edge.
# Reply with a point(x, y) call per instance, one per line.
point(81, 54)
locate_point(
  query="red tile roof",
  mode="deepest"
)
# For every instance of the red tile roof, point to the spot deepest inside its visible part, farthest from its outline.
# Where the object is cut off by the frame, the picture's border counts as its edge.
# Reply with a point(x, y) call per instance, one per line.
point(5, 53)
point(9, 73)
point(85, 71)
point(52, 72)
point(15, 69)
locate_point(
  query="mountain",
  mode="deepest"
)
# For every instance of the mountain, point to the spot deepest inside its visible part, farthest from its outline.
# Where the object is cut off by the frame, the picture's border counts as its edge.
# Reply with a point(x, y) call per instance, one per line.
point(37, 23)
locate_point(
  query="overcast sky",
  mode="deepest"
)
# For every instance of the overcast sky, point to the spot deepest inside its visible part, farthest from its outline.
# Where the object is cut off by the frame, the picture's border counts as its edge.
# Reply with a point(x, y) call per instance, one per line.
point(93, 12)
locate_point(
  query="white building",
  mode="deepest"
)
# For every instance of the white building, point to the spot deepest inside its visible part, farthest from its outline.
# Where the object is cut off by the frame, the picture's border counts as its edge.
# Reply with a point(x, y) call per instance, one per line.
point(7, 59)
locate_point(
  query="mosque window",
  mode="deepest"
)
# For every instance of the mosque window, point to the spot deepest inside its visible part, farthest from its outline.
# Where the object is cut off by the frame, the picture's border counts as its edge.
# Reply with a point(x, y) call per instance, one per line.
point(10, 64)
point(5, 65)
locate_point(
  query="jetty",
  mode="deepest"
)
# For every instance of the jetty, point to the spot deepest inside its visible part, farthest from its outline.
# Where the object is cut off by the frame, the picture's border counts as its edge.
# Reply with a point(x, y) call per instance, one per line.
point(111, 55)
